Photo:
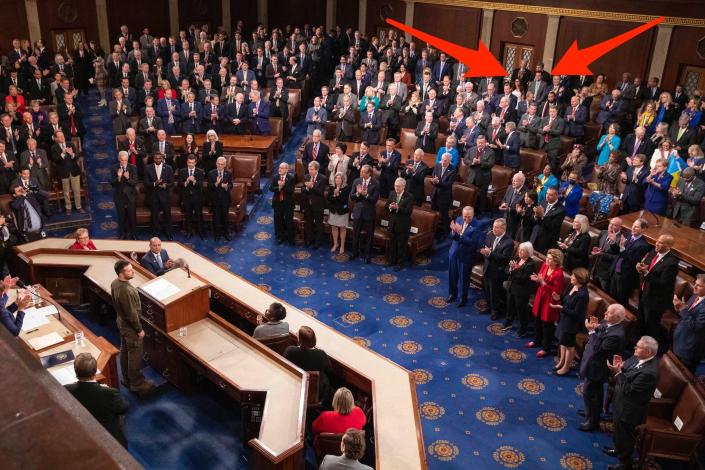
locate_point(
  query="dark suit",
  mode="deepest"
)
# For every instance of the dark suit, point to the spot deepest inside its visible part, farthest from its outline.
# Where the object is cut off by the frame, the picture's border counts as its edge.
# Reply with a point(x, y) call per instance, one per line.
point(370, 134)
point(575, 122)
point(608, 252)
point(633, 195)
point(494, 270)
point(399, 226)
point(576, 255)
point(687, 139)
point(657, 287)
point(279, 106)
point(220, 201)
point(105, 404)
point(345, 120)
point(426, 141)
point(521, 288)
point(314, 203)
point(461, 259)
point(125, 199)
point(512, 147)
point(604, 343)
point(550, 141)
point(149, 136)
point(634, 388)
point(191, 124)
point(39, 168)
point(136, 153)
point(150, 262)
point(389, 172)
point(689, 334)
point(686, 206)
point(159, 190)
point(321, 155)
point(390, 113)
point(364, 214)
point(547, 228)
point(283, 205)
point(259, 118)
point(624, 276)
point(512, 197)
point(442, 194)
point(480, 174)
point(168, 151)
point(415, 180)
point(192, 198)
point(629, 142)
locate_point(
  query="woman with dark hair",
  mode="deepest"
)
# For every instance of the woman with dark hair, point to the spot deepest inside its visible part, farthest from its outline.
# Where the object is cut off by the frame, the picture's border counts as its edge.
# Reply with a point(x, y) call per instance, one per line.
point(307, 357)
point(525, 211)
point(272, 322)
point(573, 307)
point(189, 148)
point(82, 68)
point(576, 246)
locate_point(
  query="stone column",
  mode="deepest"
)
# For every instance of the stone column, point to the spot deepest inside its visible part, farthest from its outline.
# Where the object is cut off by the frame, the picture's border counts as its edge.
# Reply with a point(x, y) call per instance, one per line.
point(227, 20)
point(330, 14)
point(262, 14)
point(101, 8)
point(486, 27)
point(35, 32)
point(174, 17)
point(549, 46)
point(362, 17)
point(409, 18)
point(658, 60)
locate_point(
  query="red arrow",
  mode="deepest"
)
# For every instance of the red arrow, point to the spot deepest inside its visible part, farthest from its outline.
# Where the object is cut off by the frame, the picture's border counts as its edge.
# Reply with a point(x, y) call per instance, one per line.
point(480, 63)
point(576, 61)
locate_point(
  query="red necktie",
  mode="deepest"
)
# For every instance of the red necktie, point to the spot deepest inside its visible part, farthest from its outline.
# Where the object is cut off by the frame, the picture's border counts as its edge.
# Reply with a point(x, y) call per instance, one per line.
point(545, 138)
point(281, 191)
point(315, 151)
point(651, 265)
point(133, 157)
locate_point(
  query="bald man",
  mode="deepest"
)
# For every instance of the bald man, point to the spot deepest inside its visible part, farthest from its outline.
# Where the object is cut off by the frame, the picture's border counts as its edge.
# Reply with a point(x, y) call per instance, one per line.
point(657, 273)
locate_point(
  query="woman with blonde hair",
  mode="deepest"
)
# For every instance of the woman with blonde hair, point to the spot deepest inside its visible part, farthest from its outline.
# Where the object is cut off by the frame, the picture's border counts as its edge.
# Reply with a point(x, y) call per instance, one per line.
point(576, 245)
point(338, 217)
point(369, 96)
point(646, 117)
point(83, 240)
point(345, 415)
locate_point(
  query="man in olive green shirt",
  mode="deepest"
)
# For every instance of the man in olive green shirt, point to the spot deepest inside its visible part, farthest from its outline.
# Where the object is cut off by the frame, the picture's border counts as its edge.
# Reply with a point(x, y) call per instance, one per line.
point(126, 301)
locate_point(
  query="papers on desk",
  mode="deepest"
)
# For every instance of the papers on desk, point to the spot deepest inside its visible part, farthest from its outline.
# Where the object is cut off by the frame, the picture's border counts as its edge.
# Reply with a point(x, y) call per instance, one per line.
point(160, 289)
point(32, 321)
point(64, 374)
point(43, 311)
point(45, 341)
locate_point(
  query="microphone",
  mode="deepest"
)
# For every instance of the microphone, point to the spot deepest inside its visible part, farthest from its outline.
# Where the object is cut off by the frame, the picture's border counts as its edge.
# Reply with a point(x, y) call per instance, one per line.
point(181, 263)
point(22, 285)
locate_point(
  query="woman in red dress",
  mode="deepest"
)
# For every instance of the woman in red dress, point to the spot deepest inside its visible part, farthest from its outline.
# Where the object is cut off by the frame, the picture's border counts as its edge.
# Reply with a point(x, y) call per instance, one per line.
point(550, 280)
point(345, 415)
point(83, 241)
point(14, 97)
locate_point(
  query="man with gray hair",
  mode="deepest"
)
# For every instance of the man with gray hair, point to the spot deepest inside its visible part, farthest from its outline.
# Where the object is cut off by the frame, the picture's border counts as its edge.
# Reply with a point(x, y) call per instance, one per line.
point(365, 192)
point(605, 339)
point(220, 182)
point(124, 181)
point(314, 203)
point(400, 204)
point(282, 188)
point(687, 195)
point(636, 380)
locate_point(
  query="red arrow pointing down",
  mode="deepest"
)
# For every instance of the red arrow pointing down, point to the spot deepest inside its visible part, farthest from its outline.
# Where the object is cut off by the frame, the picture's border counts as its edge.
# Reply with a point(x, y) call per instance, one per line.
point(480, 63)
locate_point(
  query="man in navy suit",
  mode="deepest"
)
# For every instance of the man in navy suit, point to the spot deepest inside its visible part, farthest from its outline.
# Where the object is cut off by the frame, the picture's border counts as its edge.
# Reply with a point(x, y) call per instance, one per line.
point(314, 203)
point(633, 195)
point(156, 260)
point(191, 188)
point(461, 256)
point(575, 117)
point(605, 339)
point(191, 115)
point(158, 178)
point(658, 272)
point(370, 122)
point(388, 162)
point(236, 116)
point(442, 179)
point(258, 113)
point(511, 147)
point(689, 335)
point(441, 69)
point(497, 251)
point(169, 110)
point(610, 106)
point(365, 193)
point(632, 250)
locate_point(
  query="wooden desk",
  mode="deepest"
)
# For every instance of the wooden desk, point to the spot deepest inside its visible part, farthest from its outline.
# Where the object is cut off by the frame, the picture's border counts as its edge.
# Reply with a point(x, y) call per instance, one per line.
point(689, 242)
point(398, 436)
point(104, 352)
point(262, 144)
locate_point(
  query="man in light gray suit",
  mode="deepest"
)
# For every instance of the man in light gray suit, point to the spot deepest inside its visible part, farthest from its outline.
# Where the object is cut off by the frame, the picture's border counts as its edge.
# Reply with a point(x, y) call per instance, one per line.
point(528, 128)
point(687, 195)
point(353, 448)
point(347, 91)
point(538, 88)
point(316, 117)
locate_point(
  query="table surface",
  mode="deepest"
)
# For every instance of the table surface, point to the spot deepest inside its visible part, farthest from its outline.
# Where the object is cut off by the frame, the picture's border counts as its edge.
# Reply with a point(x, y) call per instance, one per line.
point(398, 437)
point(256, 142)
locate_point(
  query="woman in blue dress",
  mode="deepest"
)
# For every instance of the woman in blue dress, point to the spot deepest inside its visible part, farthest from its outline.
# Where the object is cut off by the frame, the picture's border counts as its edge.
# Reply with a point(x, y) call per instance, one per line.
point(608, 142)
point(450, 148)
point(570, 193)
point(544, 181)
point(658, 184)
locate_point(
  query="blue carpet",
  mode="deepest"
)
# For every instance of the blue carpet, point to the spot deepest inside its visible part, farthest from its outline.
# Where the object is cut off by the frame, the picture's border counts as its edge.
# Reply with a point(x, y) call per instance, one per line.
point(485, 401)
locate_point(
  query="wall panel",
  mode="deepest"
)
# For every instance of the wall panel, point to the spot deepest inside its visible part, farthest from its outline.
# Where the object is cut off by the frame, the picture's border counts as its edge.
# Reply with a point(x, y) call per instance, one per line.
point(347, 13)
point(456, 24)
point(396, 9)
point(282, 13)
point(245, 10)
point(13, 24)
point(200, 12)
point(684, 41)
point(153, 14)
point(68, 15)
point(535, 34)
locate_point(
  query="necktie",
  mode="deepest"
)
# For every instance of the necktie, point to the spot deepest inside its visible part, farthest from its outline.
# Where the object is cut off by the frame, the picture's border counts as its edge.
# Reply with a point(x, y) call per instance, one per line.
point(545, 138)
point(158, 171)
point(315, 151)
point(281, 193)
point(548, 208)
point(637, 142)
point(495, 243)
point(465, 225)
point(695, 303)
point(443, 170)
point(161, 147)
point(364, 185)
point(190, 172)
point(158, 258)
point(651, 265)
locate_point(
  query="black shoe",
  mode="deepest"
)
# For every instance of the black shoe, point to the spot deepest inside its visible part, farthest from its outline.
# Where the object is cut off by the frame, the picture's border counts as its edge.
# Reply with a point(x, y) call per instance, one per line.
point(354, 256)
point(367, 260)
point(397, 268)
point(227, 237)
point(462, 303)
point(189, 235)
point(522, 334)
point(609, 451)
point(216, 238)
point(589, 427)
point(581, 413)
point(169, 237)
point(451, 298)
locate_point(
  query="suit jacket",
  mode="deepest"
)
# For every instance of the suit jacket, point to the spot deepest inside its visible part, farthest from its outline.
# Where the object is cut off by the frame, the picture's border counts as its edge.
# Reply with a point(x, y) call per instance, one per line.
point(634, 251)
point(659, 281)
point(609, 252)
point(554, 133)
point(496, 263)
point(480, 174)
point(577, 253)
point(400, 219)
point(572, 314)
point(528, 129)
point(287, 193)
point(547, 228)
point(686, 140)
point(609, 109)
point(370, 135)
point(601, 346)
point(415, 179)
point(426, 142)
point(512, 147)
point(320, 124)
point(689, 335)
point(120, 120)
point(575, 121)
point(315, 198)
point(634, 389)
point(150, 181)
point(193, 190)
point(168, 150)
point(463, 247)
point(365, 205)
point(149, 262)
point(66, 165)
point(191, 124)
point(105, 404)
point(540, 93)
point(124, 191)
point(220, 196)
point(340, 462)
point(260, 120)
point(628, 143)
point(442, 192)
point(686, 206)
point(633, 195)
point(39, 91)
point(390, 111)
point(39, 167)
point(321, 157)
point(345, 120)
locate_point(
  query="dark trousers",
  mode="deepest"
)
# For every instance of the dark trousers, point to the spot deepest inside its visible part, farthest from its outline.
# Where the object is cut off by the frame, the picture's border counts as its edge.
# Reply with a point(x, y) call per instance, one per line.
point(593, 397)
point(543, 334)
point(313, 217)
point(624, 435)
point(127, 218)
point(444, 224)
point(459, 270)
point(481, 204)
point(518, 307)
point(284, 222)
point(220, 219)
point(193, 212)
point(131, 347)
point(494, 293)
point(649, 319)
point(360, 225)
point(620, 288)
point(161, 205)
point(398, 244)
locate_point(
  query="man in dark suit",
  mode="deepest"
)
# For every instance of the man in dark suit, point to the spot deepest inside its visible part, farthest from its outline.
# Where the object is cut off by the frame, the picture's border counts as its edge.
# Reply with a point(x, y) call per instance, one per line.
point(682, 136)
point(633, 194)
point(159, 177)
point(38, 163)
point(258, 114)
point(370, 123)
point(549, 131)
point(220, 183)
point(511, 147)
point(497, 251)
point(124, 180)
point(163, 147)
point(631, 251)
point(104, 403)
point(442, 179)
point(156, 260)
point(606, 250)
point(345, 120)
point(415, 173)
point(479, 160)
point(441, 68)
point(686, 198)
point(400, 205)
point(136, 150)
point(426, 133)
point(548, 218)
point(279, 100)
point(388, 163)
point(71, 116)
point(689, 335)
point(365, 193)
point(191, 115)
point(316, 151)
point(605, 339)
point(461, 255)
point(575, 117)
point(282, 188)
point(314, 202)
point(512, 197)
point(236, 120)
point(148, 127)
point(636, 380)
point(636, 143)
point(191, 188)
point(658, 272)
point(38, 89)
point(390, 106)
